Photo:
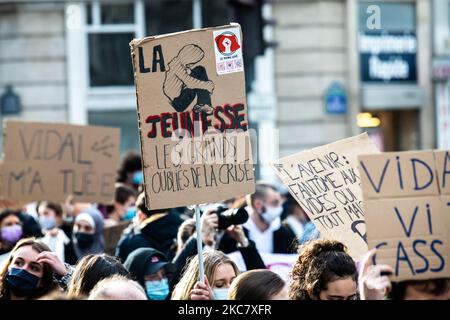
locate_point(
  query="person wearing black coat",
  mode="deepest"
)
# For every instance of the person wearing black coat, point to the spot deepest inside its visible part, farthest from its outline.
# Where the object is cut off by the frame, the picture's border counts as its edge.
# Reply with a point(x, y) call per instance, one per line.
point(209, 223)
point(155, 229)
point(31, 228)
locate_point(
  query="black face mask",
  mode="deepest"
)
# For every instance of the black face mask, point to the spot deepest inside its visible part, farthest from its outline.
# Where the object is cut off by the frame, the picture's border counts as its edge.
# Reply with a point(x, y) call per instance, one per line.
point(22, 283)
point(84, 240)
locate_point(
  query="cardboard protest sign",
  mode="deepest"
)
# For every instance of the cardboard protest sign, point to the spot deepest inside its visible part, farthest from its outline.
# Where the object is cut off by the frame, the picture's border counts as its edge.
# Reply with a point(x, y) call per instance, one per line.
point(406, 218)
point(49, 161)
point(446, 205)
point(395, 174)
point(443, 170)
point(325, 182)
point(112, 235)
point(192, 111)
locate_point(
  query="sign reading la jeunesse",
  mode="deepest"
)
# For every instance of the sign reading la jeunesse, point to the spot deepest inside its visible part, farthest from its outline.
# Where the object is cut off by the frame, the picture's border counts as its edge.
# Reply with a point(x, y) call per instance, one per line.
point(192, 111)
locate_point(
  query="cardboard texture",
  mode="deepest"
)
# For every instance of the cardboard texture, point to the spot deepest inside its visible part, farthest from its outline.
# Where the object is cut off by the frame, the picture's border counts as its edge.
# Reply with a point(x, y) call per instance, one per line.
point(398, 174)
point(112, 235)
point(325, 182)
point(411, 235)
point(446, 203)
point(406, 217)
point(192, 111)
point(49, 161)
point(443, 170)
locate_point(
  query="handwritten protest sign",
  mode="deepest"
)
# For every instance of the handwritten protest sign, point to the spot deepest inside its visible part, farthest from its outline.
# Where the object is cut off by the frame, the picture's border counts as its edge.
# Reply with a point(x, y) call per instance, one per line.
point(443, 170)
point(192, 111)
point(325, 182)
point(406, 217)
point(49, 161)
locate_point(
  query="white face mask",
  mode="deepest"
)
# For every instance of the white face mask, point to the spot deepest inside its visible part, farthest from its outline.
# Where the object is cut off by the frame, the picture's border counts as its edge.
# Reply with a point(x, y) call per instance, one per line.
point(208, 248)
point(271, 214)
point(220, 293)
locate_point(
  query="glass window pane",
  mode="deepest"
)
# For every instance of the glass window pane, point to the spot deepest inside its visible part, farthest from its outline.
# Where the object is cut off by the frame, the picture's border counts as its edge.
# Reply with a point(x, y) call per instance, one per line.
point(88, 13)
point(109, 59)
point(117, 13)
point(126, 120)
point(215, 13)
point(168, 16)
point(394, 16)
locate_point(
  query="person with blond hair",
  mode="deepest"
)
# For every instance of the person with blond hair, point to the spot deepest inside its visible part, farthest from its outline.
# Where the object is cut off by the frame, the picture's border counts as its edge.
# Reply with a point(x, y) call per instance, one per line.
point(220, 272)
point(117, 288)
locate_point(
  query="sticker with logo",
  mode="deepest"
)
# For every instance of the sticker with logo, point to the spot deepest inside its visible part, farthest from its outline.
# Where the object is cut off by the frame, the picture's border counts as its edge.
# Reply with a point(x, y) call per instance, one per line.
point(228, 51)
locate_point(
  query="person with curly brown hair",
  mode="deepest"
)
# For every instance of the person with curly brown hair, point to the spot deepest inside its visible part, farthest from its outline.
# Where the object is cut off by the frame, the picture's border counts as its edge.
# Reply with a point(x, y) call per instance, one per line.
point(324, 271)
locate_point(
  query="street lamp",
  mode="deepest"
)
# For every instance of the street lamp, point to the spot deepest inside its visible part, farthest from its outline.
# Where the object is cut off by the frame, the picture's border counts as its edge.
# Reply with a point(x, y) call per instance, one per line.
point(10, 101)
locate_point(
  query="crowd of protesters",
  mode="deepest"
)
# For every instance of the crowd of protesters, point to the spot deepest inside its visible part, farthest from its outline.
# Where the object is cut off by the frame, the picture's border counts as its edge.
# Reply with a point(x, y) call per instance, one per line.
point(128, 251)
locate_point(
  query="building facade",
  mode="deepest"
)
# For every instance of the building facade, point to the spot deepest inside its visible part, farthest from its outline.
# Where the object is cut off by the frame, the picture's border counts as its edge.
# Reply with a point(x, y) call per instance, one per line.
point(69, 61)
point(441, 70)
point(336, 61)
point(379, 51)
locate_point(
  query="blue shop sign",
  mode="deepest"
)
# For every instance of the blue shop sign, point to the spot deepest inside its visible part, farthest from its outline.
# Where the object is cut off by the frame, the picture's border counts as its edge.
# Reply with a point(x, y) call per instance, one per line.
point(336, 99)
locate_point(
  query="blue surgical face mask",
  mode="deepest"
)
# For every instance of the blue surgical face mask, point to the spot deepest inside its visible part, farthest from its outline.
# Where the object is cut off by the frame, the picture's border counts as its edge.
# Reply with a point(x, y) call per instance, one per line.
point(220, 293)
point(129, 214)
point(47, 223)
point(22, 283)
point(158, 289)
point(138, 178)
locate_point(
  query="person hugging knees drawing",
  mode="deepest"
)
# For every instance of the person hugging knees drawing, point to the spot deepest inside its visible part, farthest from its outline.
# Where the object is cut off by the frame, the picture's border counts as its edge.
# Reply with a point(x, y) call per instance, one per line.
point(184, 81)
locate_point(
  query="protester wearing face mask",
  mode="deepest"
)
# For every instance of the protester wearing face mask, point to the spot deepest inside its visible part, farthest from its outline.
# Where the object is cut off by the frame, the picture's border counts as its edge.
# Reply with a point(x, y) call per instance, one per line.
point(51, 218)
point(130, 171)
point(10, 232)
point(87, 237)
point(295, 217)
point(123, 210)
point(264, 224)
point(151, 269)
point(29, 271)
point(220, 271)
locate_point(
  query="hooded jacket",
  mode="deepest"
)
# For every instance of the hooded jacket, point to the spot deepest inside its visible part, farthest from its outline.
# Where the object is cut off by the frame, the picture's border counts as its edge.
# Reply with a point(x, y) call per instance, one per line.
point(159, 231)
point(74, 253)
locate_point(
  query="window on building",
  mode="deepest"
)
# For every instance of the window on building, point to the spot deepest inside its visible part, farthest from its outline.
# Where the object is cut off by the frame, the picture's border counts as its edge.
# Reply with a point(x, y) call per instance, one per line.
point(117, 13)
point(168, 16)
point(216, 13)
point(109, 54)
point(110, 28)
